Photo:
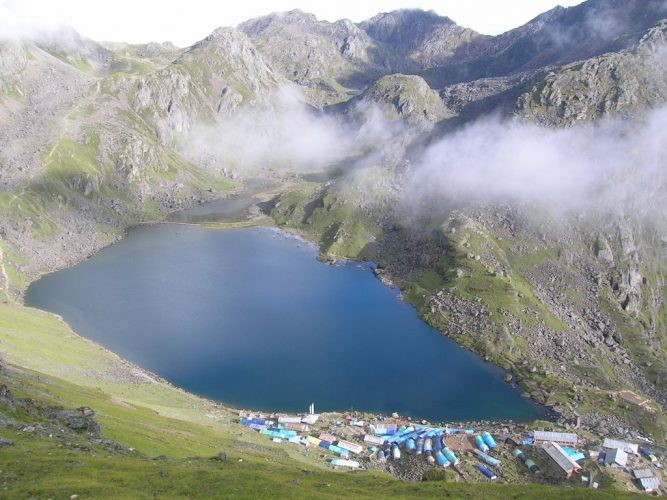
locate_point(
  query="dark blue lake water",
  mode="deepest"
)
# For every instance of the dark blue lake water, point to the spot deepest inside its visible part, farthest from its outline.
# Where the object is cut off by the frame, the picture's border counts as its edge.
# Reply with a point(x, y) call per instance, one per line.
point(249, 317)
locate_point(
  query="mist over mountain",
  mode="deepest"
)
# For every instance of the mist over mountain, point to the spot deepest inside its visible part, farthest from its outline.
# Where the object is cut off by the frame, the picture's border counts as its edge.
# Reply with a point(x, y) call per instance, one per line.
point(613, 166)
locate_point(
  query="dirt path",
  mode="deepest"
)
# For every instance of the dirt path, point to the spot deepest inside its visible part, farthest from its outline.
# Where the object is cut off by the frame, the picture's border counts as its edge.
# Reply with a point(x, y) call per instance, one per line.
point(5, 282)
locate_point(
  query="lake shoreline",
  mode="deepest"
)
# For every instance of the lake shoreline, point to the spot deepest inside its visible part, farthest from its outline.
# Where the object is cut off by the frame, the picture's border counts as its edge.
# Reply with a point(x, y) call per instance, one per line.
point(117, 329)
point(266, 221)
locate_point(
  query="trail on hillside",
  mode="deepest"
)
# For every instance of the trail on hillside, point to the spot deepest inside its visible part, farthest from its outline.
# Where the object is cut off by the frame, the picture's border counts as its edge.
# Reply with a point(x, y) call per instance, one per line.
point(5, 276)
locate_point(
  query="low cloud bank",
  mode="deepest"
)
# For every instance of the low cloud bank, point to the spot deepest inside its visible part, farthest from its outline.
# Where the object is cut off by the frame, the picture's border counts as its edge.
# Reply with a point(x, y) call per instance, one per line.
point(613, 165)
point(608, 167)
point(289, 136)
point(20, 22)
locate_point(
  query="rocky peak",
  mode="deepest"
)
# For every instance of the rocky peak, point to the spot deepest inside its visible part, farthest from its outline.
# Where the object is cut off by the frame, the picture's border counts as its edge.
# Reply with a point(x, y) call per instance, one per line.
point(69, 46)
point(227, 48)
point(544, 18)
point(397, 26)
point(421, 39)
point(222, 36)
point(296, 17)
point(214, 76)
point(557, 37)
point(301, 22)
point(347, 26)
point(324, 57)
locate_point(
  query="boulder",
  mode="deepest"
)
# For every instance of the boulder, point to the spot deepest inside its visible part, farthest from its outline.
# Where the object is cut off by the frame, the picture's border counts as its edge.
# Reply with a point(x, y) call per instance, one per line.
point(79, 420)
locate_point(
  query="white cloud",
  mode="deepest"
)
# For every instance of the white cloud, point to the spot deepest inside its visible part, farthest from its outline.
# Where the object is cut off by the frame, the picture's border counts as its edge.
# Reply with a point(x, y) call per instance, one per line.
point(17, 21)
point(284, 133)
point(613, 166)
point(186, 22)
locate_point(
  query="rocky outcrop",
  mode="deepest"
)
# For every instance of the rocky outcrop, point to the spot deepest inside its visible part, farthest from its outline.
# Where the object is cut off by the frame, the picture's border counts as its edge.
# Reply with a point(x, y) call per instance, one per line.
point(80, 420)
point(215, 76)
point(498, 95)
point(603, 250)
point(406, 97)
point(557, 37)
point(423, 39)
point(323, 57)
point(624, 83)
point(12, 63)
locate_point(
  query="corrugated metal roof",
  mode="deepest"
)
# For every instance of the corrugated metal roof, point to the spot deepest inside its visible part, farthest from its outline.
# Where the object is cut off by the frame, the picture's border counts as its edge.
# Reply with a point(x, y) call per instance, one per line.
point(313, 440)
point(353, 447)
point(560, 457)
point(623, 445)
point(616, 456)
point(289, 420)
point(557, 437)
point(368, 438)
point(640, 473)
point(649, 483)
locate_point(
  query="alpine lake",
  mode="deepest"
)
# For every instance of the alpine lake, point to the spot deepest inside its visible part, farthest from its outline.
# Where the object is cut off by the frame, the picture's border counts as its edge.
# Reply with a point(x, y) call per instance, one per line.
point(250, 317)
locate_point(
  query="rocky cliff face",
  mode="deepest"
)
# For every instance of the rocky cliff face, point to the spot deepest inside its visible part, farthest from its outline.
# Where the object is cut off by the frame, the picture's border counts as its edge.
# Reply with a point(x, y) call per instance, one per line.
point(326, 58)
point(621, 83)
point(556, 37)
point(12, 63)
point(423, 40)
point(214, 76)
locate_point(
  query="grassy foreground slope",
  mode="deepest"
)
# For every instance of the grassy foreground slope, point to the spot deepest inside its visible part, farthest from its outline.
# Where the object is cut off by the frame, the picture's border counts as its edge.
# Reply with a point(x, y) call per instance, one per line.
point(154, 439)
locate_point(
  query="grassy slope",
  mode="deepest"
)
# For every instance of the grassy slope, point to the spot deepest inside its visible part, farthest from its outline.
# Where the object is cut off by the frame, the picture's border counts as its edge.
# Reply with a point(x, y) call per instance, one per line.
point(139, 478)
point(340, 228)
